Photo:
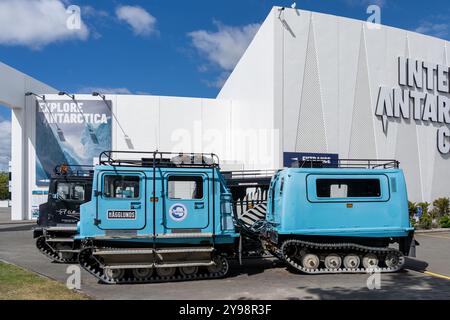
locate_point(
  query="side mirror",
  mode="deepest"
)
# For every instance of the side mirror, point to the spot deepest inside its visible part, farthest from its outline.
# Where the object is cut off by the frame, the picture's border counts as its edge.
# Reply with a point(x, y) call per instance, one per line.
point(54, 196)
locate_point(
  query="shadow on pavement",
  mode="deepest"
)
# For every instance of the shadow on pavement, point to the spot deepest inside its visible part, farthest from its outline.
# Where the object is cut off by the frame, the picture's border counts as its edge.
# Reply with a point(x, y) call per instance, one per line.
point(252, 267)
point(403, 285)
point(17, 228)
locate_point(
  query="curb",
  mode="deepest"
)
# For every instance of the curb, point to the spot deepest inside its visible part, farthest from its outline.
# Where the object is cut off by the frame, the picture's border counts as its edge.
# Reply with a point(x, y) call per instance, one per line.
point(432, 230)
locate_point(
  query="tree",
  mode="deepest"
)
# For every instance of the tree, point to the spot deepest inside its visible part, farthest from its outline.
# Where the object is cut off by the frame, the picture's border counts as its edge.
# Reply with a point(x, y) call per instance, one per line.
point(441, 207)
point(4, 190)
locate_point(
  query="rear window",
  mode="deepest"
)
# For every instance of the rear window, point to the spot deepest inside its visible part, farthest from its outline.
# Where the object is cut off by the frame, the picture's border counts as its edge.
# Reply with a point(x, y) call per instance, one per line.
point(348, 188)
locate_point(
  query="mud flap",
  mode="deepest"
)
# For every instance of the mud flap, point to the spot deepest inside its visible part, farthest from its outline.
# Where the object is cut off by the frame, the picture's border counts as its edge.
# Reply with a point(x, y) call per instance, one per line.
point(412, 248)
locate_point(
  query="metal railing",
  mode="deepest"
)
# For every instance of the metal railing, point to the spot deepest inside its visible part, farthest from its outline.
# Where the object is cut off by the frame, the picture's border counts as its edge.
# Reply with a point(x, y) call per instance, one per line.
point(158, 159)
point(350, 164)
point(74, 170)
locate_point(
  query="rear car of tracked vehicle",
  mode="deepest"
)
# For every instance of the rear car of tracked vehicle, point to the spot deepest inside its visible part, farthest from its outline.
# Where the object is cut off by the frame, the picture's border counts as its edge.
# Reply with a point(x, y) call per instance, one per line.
point(157, 217)
point(346, 217)
point(69, 187)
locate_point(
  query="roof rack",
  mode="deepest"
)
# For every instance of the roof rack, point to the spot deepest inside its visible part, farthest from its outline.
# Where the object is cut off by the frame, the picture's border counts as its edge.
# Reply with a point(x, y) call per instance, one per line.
point(349, 164)
point(74, 170)
point(158, 159)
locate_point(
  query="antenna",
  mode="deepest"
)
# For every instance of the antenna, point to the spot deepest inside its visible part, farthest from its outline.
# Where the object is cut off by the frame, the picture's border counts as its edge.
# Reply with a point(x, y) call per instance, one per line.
point(91, 131)
point(59, 132)
point(126, 137)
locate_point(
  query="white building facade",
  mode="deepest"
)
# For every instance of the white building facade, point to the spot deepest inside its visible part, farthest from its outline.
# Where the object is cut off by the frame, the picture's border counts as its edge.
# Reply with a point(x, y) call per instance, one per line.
point(308, 83)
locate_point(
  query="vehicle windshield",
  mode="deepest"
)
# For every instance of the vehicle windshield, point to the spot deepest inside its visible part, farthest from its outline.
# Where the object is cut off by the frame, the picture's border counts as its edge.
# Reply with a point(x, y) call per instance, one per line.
point(70, 191)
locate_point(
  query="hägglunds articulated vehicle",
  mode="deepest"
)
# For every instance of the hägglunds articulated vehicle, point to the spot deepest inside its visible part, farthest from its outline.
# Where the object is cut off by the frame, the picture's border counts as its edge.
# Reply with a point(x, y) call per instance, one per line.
point(169, 217)
point(70, 186)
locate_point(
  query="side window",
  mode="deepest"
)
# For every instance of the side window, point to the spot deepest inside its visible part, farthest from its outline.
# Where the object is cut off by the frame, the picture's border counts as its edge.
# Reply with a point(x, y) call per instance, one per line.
point(123, 187)
point(348, 188)
point(70, 191)
point(186, 188)
point(78, 192)
point(63, 191)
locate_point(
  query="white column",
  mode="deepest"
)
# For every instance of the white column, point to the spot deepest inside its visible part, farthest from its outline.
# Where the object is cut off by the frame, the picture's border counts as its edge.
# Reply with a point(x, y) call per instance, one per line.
point(19, 165)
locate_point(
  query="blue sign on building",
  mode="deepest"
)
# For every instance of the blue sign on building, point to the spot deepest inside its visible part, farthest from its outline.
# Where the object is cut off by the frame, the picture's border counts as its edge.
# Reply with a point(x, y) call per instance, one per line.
point(329, 159)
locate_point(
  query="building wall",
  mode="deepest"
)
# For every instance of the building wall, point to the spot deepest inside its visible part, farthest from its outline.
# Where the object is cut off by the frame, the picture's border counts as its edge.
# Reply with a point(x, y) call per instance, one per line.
point(308, 82)
point(332, 69)
point(251, 90)
point(175, 124)
point(14, 85)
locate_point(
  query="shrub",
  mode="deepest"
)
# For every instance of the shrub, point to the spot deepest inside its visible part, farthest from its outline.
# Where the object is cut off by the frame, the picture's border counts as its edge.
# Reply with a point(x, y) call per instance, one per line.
point(444, 222)
point(412, 208)
point(425, 221)
point(425, 207)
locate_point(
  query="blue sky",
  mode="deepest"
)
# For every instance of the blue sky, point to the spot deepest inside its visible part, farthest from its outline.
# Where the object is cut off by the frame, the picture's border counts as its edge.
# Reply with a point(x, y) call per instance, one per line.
point(161, 47)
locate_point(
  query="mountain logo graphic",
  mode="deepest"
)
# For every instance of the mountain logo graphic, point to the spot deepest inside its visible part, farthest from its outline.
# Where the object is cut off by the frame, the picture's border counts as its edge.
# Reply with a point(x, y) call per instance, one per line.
point(178, 212)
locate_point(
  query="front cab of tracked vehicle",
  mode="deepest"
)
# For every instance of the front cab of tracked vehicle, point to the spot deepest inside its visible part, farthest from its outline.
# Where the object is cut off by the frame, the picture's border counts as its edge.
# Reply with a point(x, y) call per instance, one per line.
point(168, 201)
point(367, 206)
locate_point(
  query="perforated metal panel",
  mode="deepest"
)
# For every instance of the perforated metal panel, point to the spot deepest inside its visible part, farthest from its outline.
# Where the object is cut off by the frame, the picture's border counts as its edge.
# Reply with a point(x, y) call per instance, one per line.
point(311, 134)
point(362, 139)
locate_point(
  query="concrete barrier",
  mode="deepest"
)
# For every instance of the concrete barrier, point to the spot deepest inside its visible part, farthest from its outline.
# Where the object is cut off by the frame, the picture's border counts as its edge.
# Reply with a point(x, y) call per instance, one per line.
point(4, 203)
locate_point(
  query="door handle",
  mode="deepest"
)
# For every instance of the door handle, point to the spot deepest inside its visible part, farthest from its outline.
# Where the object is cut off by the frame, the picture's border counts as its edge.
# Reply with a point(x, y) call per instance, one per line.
point(199, 205)
point(135, 205)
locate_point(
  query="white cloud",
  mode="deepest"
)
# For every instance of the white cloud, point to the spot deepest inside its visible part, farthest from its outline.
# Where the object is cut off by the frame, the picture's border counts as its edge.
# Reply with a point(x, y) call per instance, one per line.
point(224, 47)
point(141, 21)
point(89, 90)
point(219, 81)
point(5, 144)
point(435, 29)
point(36, 23)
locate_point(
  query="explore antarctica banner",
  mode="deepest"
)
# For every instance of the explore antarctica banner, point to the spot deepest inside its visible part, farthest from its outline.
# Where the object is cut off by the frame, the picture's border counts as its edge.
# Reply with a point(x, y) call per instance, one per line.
point(72, 132)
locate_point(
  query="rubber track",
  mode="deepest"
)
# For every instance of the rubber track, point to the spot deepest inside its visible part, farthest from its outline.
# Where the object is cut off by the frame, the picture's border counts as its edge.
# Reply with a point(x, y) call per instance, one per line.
point(342, 246)
point(92, 266)
point(49, 252)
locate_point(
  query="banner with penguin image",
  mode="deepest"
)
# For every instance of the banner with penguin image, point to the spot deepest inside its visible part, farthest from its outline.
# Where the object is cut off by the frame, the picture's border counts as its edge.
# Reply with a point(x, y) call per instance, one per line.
point(71, 132)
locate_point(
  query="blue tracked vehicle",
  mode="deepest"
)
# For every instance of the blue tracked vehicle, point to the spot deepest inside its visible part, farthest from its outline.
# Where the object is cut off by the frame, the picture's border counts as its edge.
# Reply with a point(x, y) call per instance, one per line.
point(172, 217)
point(339, 218)
point(162, 218)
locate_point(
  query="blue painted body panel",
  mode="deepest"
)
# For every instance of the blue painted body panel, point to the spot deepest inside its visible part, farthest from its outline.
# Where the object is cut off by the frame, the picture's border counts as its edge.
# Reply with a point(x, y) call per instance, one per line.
point(212, 214)
point(295, 208)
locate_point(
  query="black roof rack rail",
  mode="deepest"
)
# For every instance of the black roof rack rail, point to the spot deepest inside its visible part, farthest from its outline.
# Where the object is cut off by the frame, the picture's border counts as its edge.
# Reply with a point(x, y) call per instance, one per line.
point(248, 177)
point(158, 159)
point(79, 170)
point(349, 164)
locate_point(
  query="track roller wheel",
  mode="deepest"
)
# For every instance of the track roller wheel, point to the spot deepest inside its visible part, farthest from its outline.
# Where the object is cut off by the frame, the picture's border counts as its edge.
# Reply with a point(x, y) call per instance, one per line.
point(391, 260)
point(370, 261)
point(114, 274)
point(142, 273)
point(166, 272)
point(351, 261)
point(310, 261)
point(220, 265)
point(188, 271)
point(333, 261)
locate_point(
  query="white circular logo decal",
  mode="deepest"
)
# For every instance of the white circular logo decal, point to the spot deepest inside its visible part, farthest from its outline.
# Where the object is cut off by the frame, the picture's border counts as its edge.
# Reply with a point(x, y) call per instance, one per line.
point(178, 212)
